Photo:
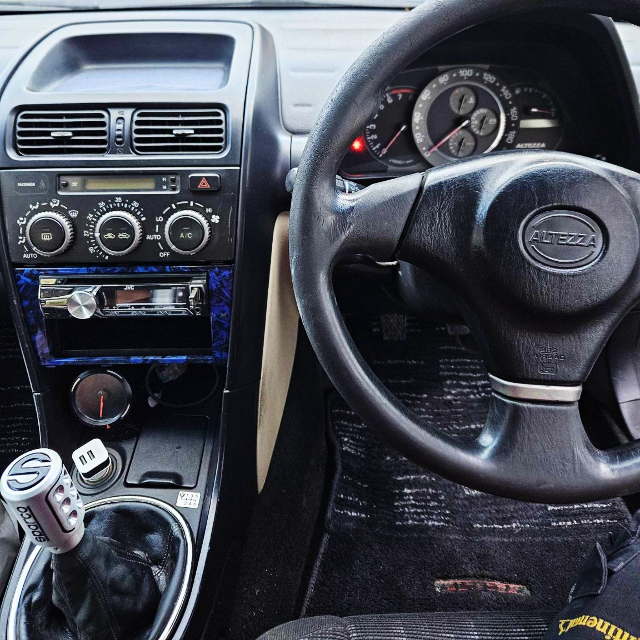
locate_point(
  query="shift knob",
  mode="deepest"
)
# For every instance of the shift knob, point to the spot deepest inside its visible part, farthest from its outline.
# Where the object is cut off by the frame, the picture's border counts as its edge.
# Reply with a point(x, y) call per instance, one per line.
point(41, 496)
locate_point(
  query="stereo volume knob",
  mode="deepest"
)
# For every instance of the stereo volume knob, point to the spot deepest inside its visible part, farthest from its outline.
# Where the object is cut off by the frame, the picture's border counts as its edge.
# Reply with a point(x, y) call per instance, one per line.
point(187, 232)
point(118, 233)
point(82, 304)
point(49, 233)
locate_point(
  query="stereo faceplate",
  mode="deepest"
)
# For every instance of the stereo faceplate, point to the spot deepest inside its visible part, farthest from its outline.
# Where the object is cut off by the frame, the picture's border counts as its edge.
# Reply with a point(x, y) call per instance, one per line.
point(176, 213)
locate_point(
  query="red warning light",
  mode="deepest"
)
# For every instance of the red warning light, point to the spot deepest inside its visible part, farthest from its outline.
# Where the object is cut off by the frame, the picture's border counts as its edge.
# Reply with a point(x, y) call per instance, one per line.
point(204, 184)
point(357, 146)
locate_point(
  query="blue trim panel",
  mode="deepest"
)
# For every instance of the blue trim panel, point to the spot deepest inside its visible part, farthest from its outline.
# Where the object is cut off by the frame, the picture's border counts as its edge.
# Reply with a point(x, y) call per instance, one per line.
point(220, 286)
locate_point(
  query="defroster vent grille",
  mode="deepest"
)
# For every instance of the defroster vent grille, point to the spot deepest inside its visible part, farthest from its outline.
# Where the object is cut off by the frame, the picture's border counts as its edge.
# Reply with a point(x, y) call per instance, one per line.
point(52, 133)
point(179, 131)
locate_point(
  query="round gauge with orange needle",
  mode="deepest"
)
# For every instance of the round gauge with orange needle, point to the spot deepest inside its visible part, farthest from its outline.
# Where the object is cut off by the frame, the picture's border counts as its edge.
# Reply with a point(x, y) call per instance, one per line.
point(100, 397)
point(388, 134)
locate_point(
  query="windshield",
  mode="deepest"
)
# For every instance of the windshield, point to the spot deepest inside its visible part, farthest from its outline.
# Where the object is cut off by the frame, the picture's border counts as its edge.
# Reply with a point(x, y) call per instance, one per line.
point(11, 6)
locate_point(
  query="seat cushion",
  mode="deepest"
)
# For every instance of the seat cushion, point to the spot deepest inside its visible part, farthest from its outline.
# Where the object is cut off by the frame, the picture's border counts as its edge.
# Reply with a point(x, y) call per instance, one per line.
point(477, 625)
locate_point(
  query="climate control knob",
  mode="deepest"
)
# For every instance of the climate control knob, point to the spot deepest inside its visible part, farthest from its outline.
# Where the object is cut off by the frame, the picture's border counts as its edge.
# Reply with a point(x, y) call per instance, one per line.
point(118, 233)
point(187, 232)
point(49, 233)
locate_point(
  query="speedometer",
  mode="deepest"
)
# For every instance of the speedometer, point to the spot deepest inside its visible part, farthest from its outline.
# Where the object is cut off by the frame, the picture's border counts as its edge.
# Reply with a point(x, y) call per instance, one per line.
point(463, 112)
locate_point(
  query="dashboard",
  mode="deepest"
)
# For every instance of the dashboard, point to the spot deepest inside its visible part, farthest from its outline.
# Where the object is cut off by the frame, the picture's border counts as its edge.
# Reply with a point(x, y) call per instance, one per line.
point(496, 89)
point(143, 157)
point(438, 115)
point(146, 152)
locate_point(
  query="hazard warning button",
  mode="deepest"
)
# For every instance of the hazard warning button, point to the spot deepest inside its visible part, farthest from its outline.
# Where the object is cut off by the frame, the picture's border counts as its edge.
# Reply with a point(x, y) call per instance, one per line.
point(204, 182)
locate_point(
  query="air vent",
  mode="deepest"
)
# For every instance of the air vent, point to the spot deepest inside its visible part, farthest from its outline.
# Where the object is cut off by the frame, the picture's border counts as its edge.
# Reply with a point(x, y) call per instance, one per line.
point(53, 133)
point(179, 131)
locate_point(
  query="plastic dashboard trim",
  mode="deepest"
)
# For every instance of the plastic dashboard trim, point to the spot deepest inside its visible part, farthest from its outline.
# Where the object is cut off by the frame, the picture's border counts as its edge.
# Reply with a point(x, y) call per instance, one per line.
point(220, 288)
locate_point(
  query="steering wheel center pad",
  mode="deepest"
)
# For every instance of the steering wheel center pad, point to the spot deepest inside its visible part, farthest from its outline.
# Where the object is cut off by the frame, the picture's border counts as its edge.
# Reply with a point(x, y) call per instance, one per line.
point(492, 230)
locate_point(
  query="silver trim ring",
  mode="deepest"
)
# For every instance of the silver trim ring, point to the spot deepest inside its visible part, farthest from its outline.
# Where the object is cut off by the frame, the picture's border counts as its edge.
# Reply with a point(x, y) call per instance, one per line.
point(536, 392)
point(195, 215)
point(182, 595)
point(131, 219)
point(61, 219)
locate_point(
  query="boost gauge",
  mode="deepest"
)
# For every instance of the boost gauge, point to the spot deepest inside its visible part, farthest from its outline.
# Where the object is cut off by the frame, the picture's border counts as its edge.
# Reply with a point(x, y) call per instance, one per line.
point(464, 112)
point(114, 228)
point(100, 397)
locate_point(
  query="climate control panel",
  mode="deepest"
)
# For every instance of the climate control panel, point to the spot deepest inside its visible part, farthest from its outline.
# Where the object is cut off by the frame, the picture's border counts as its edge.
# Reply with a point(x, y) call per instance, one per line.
point(121, 216)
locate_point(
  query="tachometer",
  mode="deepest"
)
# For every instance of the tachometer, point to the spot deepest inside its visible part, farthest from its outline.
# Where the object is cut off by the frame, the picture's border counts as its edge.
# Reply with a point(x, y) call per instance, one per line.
point(388, 134)
point(464, 112)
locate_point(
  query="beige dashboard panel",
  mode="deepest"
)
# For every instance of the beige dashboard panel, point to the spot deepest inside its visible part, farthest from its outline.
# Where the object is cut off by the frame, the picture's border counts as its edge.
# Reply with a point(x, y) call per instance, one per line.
point(280, 337)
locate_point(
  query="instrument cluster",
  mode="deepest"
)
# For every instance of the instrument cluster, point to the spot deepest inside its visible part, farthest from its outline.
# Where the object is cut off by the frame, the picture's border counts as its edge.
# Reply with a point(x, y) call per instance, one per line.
point(428, 117)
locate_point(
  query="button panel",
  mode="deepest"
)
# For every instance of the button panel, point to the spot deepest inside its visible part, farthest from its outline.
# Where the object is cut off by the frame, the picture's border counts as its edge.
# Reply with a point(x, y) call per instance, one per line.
point(137, 229)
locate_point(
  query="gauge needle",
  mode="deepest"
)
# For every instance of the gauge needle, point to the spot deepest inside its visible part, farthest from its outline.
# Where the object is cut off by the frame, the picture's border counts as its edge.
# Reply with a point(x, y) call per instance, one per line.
point(448, 137)
point(384, 151)
point(101, 403)
point(532, 110)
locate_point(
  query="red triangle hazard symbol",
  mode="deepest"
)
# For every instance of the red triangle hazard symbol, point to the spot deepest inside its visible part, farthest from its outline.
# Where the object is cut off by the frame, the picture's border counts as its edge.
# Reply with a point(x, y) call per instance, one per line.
point(204, 184)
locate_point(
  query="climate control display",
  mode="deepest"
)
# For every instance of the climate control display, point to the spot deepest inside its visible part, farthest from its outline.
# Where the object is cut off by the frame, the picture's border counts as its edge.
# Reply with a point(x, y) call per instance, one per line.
point(47, 225)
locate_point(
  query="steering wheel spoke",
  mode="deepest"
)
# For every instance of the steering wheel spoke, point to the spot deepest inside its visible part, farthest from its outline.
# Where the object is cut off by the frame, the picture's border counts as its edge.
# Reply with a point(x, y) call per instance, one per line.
point(369, 221)
point(538, 448)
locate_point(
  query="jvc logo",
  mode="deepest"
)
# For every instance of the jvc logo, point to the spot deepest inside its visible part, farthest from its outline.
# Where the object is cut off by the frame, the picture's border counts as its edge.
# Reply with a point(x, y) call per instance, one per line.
point(29, 471)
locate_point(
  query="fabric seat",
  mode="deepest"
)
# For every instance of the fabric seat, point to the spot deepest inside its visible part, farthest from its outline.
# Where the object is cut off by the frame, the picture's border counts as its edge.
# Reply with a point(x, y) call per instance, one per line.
point(477, 625)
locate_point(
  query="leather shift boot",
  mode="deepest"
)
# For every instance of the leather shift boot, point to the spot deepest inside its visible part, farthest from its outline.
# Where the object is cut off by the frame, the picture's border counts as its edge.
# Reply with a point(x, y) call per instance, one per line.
point(103, 589)
point(106, 591)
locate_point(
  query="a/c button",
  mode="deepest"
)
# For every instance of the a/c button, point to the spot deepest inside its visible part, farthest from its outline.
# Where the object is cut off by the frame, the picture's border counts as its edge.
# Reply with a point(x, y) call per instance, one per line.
point(186, 233)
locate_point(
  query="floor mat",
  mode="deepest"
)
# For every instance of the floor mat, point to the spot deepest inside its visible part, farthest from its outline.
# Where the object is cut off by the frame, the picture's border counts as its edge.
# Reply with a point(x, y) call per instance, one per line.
point(18, 421)
point(400, 539)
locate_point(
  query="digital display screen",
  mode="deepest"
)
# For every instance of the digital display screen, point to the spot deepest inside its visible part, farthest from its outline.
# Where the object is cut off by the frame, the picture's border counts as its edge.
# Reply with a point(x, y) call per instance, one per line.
point(160, 296)
point(133, 296)
point(120, 183)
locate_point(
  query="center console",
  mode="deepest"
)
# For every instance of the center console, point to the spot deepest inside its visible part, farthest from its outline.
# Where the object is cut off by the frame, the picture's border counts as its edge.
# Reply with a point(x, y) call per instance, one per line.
point(136, 284)
point(171, 235)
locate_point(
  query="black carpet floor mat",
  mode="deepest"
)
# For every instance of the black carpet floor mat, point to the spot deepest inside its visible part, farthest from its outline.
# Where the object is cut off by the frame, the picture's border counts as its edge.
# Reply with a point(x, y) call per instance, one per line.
point(400, 539)
point(18, 421)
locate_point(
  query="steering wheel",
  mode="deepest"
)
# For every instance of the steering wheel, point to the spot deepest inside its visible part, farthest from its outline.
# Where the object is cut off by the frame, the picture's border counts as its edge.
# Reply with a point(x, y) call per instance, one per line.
point(540, 249)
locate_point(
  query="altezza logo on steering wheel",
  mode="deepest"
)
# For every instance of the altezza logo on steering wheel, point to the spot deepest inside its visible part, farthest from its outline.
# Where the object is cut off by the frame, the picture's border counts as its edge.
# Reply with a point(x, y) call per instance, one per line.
point(562, 239)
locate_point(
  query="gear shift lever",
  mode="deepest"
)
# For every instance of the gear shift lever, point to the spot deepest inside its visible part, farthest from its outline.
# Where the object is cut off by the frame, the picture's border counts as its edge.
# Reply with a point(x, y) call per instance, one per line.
point(41, 496)
point(105, 590)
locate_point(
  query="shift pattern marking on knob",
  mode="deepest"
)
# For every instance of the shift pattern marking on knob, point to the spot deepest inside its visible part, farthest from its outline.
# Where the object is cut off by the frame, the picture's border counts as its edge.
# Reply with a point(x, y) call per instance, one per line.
point(49, 233)
point(187, 231)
